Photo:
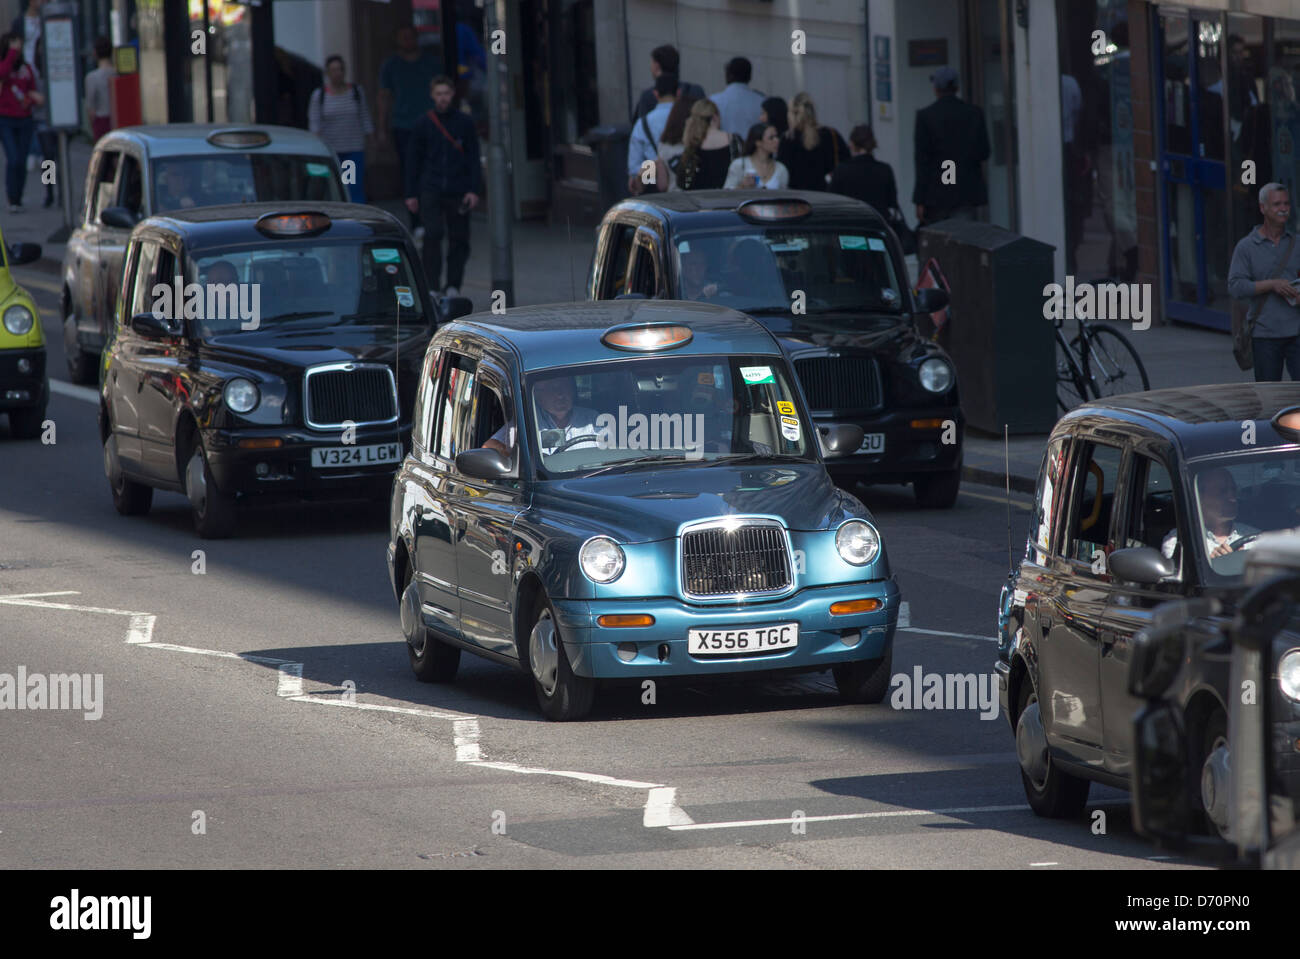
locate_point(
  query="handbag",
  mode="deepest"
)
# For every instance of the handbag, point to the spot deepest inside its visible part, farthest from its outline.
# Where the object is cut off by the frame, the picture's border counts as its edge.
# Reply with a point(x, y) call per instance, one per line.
point(1245, 315)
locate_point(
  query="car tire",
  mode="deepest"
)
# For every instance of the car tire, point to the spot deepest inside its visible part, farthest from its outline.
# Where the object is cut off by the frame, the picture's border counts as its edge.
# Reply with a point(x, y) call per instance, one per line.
point(129, 497)
point(1052, 793)
point(26, 424)
point(866, 681)
point(432, 660)
point(562, 695)
point(213, 509)
point(81, 365)
point(1213, 768)
point(937, 490)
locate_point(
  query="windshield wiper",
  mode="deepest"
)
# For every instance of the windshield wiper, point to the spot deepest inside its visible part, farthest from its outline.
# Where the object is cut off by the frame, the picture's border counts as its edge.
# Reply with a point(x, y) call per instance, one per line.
point(302, 315)
point(380, 315)
point(645, 461)
point(762, 457)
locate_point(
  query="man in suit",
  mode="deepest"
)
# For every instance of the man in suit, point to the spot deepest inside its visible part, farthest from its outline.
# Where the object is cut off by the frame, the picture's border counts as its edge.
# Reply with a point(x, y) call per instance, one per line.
point(949, 130)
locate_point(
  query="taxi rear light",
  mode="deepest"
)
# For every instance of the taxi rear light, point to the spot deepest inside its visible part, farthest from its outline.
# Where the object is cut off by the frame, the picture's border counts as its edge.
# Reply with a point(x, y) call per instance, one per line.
point(626, 620)
point(293, 224)
point(1287, 422)
point(645, 337)
point(927, 424)
point(235, 139)
point(767, 210)
point(261, 443)
point(855, 606)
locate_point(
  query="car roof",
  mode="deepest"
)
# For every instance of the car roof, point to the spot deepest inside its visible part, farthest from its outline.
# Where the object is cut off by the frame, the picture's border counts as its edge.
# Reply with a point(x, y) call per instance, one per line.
point(190, 139)
point(1201, 420)
point(560, 334)
point(718, 207)
point(236, 222)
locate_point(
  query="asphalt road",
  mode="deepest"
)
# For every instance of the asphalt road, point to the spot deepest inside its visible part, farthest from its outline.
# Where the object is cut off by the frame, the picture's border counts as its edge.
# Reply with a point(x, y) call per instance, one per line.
point(262, 713)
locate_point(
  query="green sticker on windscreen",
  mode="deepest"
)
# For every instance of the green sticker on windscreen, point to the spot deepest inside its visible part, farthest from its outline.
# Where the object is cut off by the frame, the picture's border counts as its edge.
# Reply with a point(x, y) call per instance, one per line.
point(318, 169)
point(853, 243)
point(757, 375)
point(386, 255)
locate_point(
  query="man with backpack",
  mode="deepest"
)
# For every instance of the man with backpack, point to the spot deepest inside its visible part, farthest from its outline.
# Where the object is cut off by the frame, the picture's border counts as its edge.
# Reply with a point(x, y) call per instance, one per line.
point(337, 113)
point(443, 183)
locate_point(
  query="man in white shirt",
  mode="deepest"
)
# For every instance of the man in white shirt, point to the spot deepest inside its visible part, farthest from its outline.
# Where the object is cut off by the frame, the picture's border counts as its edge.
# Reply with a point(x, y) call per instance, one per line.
point(643, 144)
point(1218, 495)
point(739, 106)
point(558, 420)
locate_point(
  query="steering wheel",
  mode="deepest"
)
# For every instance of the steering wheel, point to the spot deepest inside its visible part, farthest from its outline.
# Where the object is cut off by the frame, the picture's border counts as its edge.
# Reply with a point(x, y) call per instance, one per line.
point(573, 441)
point(1245, 541)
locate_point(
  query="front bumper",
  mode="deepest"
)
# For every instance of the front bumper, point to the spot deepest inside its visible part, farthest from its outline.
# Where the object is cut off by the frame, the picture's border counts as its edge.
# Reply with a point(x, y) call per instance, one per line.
point(908, 450)
point(19, 390)
point(288, 468)
point(593, 649)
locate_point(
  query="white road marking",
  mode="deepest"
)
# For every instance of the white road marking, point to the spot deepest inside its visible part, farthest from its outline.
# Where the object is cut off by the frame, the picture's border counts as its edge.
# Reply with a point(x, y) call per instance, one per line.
point(661, 809)
point(889, 814)
point(1044, 864)
point(83, 393)
point(904, 614)
point(999, 499)
point(141, 628)
point(465, 739)
point(290, 680)
point(12, 601)
point(61, 592)
point(940, 632)
point(404, 710)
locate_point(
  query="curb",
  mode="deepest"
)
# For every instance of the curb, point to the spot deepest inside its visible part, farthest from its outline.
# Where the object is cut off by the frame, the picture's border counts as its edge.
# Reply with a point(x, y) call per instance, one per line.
point(1021, 484)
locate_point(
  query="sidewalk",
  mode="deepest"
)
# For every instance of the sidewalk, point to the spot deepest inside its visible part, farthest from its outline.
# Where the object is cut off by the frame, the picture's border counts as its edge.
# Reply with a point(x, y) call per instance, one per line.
point(35, 224)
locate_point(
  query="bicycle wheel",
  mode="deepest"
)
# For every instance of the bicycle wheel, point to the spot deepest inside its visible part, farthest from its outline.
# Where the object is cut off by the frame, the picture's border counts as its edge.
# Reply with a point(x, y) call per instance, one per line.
point(1111, 364)
point(1069, 377)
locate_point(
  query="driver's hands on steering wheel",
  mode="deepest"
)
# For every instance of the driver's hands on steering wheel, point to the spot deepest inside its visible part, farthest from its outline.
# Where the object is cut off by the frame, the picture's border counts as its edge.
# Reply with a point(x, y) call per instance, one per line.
point(573, 441)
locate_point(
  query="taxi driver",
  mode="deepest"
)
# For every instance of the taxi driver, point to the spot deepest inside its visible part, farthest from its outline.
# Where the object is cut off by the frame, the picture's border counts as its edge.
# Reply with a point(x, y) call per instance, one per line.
point(558, 420)
point(1218, 495)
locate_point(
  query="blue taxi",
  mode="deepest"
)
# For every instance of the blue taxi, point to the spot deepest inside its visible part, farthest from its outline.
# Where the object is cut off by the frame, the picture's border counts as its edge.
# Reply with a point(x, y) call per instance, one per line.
point(628, 490)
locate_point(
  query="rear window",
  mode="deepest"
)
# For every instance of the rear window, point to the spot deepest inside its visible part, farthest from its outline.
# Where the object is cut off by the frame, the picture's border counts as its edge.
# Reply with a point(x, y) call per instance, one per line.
point(181, 183)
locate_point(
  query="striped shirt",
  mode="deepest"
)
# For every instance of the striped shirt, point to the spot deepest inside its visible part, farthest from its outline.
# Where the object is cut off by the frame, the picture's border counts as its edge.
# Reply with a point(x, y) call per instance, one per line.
point(342, 120)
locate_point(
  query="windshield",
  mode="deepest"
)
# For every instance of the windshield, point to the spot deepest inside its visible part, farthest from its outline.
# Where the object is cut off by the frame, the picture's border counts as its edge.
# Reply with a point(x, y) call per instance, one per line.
point(180, 183)
point(682, 410)
point(305, 282)
point(1236, 500)
point(777, 269)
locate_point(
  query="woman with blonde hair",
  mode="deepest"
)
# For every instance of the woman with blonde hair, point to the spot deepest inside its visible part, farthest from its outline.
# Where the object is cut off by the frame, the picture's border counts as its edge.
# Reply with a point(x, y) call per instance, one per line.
point(708, 151)
point(810, 152)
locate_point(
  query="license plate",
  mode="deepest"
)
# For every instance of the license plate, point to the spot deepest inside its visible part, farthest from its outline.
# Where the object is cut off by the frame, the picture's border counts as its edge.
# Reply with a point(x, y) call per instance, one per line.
point(739, 642)
point(872, 443)
point(330, 457)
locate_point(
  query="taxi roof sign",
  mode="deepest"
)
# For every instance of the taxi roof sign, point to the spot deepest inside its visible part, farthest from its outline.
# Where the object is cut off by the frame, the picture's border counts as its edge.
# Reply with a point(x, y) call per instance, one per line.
point(293, 224)
point(234, 139)
point(768, 210)
point(647, 337)
point(1287, 422)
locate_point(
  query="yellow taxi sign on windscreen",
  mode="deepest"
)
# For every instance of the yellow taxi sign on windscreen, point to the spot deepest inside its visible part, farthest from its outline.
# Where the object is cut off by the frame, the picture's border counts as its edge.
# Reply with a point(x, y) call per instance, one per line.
point(647, 337)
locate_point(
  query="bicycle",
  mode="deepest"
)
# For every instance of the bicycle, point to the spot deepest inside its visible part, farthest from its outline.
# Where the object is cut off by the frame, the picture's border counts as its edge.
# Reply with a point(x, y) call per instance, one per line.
point(1099, 361)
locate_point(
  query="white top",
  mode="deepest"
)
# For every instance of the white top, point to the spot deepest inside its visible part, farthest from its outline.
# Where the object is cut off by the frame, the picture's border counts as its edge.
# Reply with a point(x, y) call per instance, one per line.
point(98, 103)
point(582, 422)
point(1170, 542)
point(739, 107)
point(342, 120)
point(743, 166)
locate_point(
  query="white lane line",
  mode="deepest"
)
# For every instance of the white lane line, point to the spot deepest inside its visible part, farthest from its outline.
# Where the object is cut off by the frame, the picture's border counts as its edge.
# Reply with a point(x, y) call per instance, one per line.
point(290, 680)
point(376, 707)
point(904, 614)
point(61, 592)
point(219, 653)
point(141, 628)
point(83, 393)
point(940, 632)
point(661, 809)
point(10, 601)
point(1044, 864)
point(889, 814)
point(465, 738)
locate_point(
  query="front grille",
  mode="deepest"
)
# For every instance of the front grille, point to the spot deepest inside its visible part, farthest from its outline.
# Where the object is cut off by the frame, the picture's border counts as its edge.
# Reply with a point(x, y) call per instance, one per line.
point(362, 394)
point(840, 382)
point(719, 561)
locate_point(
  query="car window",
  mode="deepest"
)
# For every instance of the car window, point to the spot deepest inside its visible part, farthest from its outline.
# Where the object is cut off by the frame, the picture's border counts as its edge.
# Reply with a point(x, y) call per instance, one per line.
point(1095, 479)
point(490, 417)
point(1048, 497)
point(425, 407)
point(616, 264)
point(213, 180)
point(645, 272)
point(102, 192)
point(126, 302)
point(145, 279)
point(457, 392)
point(1237, 499)
point(130, 192)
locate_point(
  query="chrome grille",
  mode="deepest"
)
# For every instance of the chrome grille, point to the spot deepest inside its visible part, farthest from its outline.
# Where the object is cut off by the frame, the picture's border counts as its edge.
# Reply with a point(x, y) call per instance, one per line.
point(366, 394)
point(840, 382)
point(719, 560)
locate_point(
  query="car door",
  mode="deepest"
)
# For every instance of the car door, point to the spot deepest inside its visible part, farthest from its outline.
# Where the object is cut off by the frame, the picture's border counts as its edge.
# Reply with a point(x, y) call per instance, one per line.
point(487, 513)
point(87, 262)
point(1151, 510)
point(110, 253)
point(123, 370)
point(1075, 598)
point(162, 366)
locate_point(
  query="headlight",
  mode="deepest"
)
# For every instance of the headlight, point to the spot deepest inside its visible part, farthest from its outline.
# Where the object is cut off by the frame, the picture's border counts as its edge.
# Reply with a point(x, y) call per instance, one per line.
point(241, 395)
point(936, 375)
point(1288, 674)
point(601, 559)
point(19, 320)
point(857, 542)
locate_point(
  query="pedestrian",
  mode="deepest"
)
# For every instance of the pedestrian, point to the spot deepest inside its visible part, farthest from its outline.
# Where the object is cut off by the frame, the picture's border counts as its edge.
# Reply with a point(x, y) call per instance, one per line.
point(1264, 266)
point(758, 168)
point(46, 138)
point(865, 178)
point(671, 144)
point(774, 111)
point(663, 60)
point(404, 83)
point(338, 114)
point(810, 152)
point(642, 145)
point(443, 183)
point(739, 106)
point(951, 143)
point(99, 104)
point(18, 95)
point(709, 152)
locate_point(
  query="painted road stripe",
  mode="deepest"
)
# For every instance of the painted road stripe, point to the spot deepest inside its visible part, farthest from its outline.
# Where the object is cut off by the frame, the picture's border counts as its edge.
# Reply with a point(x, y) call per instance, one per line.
point(940, 632)
point(376, 707)
point(661, 809)
point(465, 738)
point(884, 814)
point(62, 592)
point(141, 628)
point(84, 393)
point(11, 601)
point(290, 680)
point(999, 499)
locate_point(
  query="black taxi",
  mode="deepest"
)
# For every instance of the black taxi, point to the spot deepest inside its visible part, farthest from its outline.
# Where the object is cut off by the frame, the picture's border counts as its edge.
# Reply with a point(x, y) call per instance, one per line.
point(1142, 500)
point(825, 274)
point(262, 349)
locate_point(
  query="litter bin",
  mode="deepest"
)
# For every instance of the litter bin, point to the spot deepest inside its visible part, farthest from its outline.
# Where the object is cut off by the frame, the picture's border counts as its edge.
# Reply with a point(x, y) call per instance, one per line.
point(1003, 347)
point(609, 143)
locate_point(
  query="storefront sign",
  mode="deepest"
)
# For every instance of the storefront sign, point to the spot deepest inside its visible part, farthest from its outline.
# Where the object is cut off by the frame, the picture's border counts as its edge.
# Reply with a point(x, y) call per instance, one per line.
point(62, 72)
point(927, 53)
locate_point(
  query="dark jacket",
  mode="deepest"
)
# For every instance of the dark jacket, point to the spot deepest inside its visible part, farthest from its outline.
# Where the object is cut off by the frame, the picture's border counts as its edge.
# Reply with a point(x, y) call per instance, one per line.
point(950, 129)
point(435, 165)
point(808, 168)
point(867, 179)
point(648, 98)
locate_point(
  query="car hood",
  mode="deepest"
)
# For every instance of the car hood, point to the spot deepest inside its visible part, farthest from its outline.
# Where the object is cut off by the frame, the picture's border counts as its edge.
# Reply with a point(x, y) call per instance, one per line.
point(647, 505)
point(296, 349)
point(877, 332)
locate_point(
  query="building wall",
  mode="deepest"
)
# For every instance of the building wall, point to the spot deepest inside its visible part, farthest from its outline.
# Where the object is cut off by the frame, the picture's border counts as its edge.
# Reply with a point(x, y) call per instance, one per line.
point(1038, 123)
point(317, 30)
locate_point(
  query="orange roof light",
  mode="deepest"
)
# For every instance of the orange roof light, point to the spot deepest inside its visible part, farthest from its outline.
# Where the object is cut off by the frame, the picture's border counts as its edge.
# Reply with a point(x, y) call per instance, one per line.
point(647, 337)
point(774, 209)
point(293, 224)
point(1287, 422)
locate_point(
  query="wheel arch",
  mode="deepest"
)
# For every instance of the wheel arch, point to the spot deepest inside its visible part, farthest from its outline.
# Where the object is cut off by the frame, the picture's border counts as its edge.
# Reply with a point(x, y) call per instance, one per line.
point(186, 433)
point(526, 595)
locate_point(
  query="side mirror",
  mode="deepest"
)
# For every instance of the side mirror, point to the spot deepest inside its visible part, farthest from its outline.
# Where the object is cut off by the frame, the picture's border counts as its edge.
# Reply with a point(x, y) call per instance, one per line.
point(454, 307)
point(118, 216)
point(840, 439)
point(153, 328)
point(931, 299)
point(1141, 564)
point(20, 253)
point(482, 464)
